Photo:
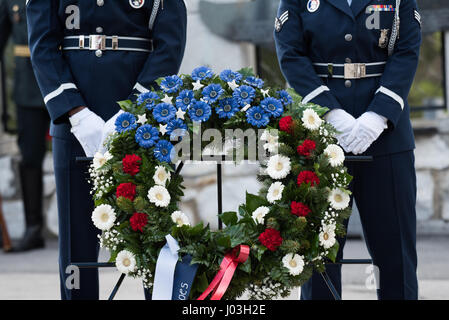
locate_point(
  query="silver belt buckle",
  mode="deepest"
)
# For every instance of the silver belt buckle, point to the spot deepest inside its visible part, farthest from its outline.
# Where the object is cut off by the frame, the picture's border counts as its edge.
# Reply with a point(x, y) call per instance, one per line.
point(355, 70)
point(97, 42)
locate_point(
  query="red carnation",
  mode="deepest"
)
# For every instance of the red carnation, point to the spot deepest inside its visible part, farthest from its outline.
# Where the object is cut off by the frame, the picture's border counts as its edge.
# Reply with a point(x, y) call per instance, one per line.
point(271, 239)
point(306, 148)
point(138, 221)
point(131, 164)
point(308, 177)
point(286, 124)
point(126, 190)
point(299, 209)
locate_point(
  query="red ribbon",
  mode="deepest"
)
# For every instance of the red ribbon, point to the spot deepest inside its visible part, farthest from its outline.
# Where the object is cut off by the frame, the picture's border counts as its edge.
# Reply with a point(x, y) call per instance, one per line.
point(227, 268)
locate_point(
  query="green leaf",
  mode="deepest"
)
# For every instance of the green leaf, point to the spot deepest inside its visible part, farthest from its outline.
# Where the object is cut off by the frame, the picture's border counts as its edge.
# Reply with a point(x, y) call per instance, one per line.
point(247, 72)
point(201, 282)
point(224, 241)
point(126, 105)
point(113, 256)
point(196, 230)
point(260, 251)
point(253, 202)
point(237, 233)
point(246, 266)
point(229, 218)
point(333, 252)
point(159, 81)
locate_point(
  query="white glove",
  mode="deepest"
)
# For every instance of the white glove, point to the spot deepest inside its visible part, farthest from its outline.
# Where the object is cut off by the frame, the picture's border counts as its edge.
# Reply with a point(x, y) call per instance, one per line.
point(343, 122)
point(87, 128)
point(108, 129)
point(368, 128)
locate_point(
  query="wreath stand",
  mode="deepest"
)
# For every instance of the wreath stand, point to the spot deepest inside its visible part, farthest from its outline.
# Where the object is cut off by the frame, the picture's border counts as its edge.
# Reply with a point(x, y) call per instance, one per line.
point(325, 275)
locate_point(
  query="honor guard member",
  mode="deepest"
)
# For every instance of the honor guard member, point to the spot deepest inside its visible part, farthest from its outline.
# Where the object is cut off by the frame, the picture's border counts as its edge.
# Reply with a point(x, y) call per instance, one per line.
point(88, 55)
point(358, 58)
point(32, 121)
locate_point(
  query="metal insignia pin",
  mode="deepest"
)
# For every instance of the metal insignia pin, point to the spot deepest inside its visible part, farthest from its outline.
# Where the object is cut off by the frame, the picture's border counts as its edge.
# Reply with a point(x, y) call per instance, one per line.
point(136, 4)
point(383, 39)
point(313, 5)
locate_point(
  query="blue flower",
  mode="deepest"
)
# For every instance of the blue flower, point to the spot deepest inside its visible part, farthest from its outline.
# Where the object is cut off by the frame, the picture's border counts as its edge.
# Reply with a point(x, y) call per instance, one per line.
point(185, 99)
point(164, 112)
point(148, 98)
point(257, 117)
point(125, 122)
point(228, 108)
point(171, 84)
point(229, 76)
point(147, 136)
point(244, 95)
point(202, 73)
point(162, 151)
point(176, 128)
point(200, 111)
point(212, 93)
point(285, 97)
point(273, 106)
point(255, 82)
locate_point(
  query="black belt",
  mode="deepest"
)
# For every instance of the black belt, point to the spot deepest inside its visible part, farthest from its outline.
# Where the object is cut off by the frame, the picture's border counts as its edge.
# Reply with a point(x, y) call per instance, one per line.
point(102, 42)
point(350, 70)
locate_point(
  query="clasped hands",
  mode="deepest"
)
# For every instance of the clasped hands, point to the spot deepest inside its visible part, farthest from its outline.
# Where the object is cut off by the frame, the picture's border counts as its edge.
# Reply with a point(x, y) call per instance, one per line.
point(357, 135)
point(92, 131)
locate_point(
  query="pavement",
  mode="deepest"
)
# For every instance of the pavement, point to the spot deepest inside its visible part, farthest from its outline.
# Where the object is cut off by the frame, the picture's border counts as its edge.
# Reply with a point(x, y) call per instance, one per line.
point(34, 275)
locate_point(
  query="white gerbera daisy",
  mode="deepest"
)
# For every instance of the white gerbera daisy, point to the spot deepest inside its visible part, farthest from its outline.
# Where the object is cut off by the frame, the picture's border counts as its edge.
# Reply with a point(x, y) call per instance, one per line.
point(327, 236)
point(159, 196)
point(101, 159)
point(275, 192)
point(335, 154)
point(272, 139)
point(259, 214)
point(339, 199)
point(161, 176)
point(103, 217)
point(311, 120)
point(125, 262)
point(180, 218)
point(294, 263)
point(278, 167)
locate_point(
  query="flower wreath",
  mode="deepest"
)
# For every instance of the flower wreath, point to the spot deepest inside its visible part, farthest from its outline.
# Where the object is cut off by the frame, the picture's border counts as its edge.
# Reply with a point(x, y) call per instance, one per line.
point(290, 227)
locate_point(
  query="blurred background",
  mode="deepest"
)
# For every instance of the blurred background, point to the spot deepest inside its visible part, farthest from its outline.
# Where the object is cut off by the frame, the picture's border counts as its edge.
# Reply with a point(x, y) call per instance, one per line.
point(234, 34)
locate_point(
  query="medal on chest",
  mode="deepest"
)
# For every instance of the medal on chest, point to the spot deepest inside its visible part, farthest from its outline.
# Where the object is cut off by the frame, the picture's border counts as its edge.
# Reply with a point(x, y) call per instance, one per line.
point(383, 39)
point(136, 4)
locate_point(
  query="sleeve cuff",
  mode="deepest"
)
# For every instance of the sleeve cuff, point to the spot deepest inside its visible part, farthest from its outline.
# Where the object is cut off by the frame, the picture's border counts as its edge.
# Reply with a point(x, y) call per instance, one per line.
point(322, 97)
point(60, 101)
point(387, 106)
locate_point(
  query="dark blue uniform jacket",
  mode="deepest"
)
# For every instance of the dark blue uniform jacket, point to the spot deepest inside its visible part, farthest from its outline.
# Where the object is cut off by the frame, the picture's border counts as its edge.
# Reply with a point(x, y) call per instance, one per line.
point(308, 39)
point(71, 78)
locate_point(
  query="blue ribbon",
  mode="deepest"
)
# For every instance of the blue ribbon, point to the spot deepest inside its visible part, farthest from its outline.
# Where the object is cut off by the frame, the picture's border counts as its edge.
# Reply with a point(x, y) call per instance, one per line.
point(184, 276)
point(173, 280)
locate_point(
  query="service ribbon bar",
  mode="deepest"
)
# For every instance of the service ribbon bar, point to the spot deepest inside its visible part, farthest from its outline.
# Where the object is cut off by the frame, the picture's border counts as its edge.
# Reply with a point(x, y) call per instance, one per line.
point(381, 7)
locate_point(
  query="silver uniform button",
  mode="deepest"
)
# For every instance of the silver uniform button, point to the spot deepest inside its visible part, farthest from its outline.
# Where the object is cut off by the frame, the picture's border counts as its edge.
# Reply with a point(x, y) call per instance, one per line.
point(348, 60)
point(98, 53)
point(348, 37)
point(348, 83)
point(100, 3)
point(99, 30)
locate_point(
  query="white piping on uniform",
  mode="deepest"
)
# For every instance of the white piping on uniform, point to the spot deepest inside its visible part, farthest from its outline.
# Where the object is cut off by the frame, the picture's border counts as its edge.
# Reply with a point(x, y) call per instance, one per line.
point(315, 93)
point(57, 92)
point(392, 95)
point(140, 88)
